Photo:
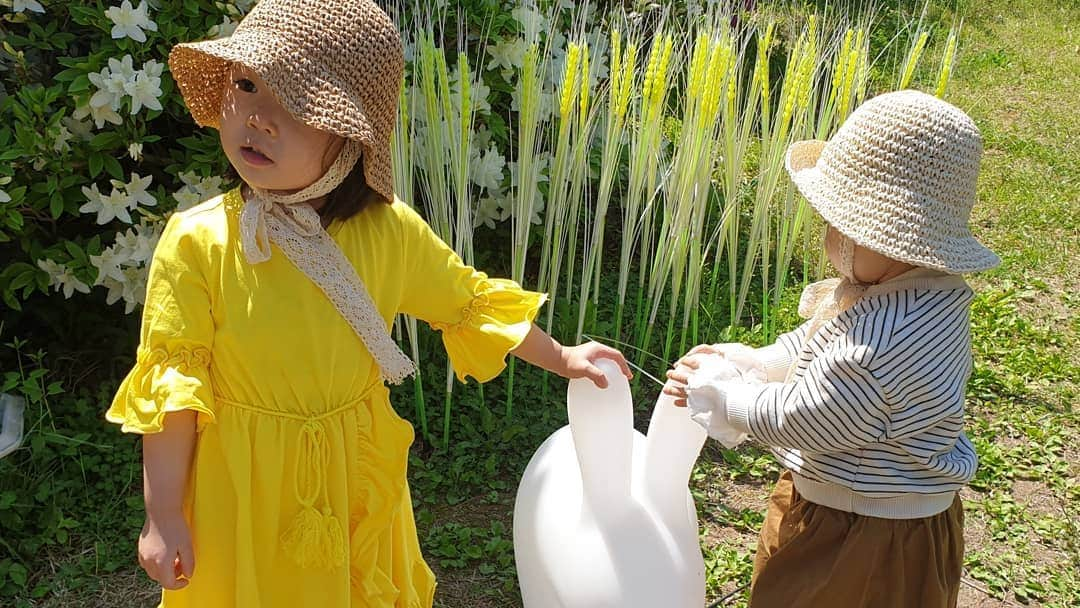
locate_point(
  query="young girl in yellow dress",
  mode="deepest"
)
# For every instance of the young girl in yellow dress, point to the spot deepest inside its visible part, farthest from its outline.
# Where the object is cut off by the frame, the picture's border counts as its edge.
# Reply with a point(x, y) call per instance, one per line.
point(272, 456)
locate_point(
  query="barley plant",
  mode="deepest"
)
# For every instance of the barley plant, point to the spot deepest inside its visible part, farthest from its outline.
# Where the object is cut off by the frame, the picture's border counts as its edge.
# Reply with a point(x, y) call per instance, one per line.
point(678, 131)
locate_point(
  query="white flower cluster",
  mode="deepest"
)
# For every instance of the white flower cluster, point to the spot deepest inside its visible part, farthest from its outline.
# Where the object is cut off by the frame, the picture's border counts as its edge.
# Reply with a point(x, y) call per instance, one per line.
point(196, 190)
point(123, 267)
point(117, 80)
point(123, 199)
point(130, 22)
point(61, 277)
point(19, 6)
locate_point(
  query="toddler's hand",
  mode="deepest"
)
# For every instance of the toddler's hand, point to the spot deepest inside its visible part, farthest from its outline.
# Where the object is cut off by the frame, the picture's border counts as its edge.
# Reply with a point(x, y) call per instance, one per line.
point(578, 362)
point(679, 375)
point(165, 550)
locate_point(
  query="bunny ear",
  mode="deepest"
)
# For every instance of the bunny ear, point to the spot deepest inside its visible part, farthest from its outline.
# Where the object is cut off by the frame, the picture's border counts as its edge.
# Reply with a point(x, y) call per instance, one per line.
point(602, 423)
point(671, 449)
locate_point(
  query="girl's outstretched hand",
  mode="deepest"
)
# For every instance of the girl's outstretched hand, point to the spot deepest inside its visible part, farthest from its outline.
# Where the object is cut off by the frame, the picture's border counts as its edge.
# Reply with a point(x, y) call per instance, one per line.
point(579, 362)
point(165, 550)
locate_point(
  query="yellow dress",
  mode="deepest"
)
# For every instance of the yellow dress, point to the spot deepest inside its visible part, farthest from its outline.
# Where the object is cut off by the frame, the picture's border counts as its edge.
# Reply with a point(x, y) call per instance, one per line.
point(298, 495)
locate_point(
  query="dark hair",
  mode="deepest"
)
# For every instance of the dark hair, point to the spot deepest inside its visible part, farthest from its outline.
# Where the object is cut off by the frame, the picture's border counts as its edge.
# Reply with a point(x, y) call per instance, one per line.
point(350, 197)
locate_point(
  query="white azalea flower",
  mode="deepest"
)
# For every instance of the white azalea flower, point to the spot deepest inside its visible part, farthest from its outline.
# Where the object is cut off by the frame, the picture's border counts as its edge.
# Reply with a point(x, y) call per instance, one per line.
point(115, 290)
point(130, 22)
point(416, 94)
point(547, 103)
point(114, 206)
point(507, 55)
point(138, 243)
point(532, 21)
point(196, 190)
point(34, 6)
point(108, 264)
point(99, 114)
point(123, 68)
point(135, 151)
point(110, 81)
point(487, 169)
point(153, 68)
point(223, 29)
point(62, 279)
point(136, 190)
point(478, 95)
point(186, 199)
point(63, 136)
point(488, 211)
point(145, 91)
point(134, 288)
point(78, 128)
point(543, 163)
point(4, 197)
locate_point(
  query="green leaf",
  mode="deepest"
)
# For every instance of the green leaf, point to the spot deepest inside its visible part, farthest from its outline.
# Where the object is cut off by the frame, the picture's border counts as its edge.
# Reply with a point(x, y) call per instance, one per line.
point(24, 279)
point(56, 205)
point(75, 251)
point(17, 574)
point(96, 161)
point(112, 166)
point(79, 84)
point(107, 140)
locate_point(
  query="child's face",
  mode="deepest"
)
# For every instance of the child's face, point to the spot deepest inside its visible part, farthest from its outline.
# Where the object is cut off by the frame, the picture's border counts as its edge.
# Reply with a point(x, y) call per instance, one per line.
point(869, 266)
point(269, 148)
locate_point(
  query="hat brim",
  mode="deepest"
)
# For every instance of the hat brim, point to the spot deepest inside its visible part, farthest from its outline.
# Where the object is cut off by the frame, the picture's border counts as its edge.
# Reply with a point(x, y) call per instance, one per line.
point(201, 70)
point(957, 255)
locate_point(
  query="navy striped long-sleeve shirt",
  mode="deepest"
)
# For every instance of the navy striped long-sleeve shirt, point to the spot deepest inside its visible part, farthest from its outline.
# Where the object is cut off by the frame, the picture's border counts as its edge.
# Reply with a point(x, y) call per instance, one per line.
point(876, 400)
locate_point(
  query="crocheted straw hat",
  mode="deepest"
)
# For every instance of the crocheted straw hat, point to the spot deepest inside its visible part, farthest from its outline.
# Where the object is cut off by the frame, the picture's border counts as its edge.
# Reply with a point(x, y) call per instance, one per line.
point(335, 65)
point(899, 178)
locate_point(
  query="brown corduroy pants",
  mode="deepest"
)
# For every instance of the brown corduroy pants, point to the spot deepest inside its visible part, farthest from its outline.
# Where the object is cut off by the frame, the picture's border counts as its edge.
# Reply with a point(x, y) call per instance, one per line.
point(812, 556)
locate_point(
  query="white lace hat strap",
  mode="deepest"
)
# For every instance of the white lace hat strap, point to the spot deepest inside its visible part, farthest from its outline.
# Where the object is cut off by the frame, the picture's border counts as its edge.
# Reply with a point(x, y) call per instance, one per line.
point(285, 207)
point(323, 262)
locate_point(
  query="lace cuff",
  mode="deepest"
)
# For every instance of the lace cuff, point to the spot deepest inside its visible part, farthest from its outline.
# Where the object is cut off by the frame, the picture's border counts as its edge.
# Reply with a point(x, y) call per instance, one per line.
point(163, 381)
point(494, 322)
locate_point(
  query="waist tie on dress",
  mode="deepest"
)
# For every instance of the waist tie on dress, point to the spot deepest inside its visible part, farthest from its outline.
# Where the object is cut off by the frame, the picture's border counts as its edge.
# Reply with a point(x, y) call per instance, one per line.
point(315, 538)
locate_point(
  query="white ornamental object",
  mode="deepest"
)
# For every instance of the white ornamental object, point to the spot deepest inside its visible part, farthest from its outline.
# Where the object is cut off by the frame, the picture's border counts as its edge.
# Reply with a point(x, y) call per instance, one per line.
point(603, 517)
point(11, 423)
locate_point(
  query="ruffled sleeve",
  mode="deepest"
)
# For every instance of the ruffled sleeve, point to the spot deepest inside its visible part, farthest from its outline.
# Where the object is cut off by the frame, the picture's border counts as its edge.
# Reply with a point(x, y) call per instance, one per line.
point(172, 366)
point(481, 319)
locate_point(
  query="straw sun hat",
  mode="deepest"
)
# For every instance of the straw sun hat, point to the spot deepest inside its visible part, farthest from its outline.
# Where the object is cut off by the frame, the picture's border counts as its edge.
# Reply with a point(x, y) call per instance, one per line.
point(335, 65)
point(899, 178)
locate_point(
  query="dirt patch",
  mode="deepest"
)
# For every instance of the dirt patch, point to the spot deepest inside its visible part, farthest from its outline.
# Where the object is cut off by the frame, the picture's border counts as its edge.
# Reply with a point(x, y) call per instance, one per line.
point(126, 589)
point(974, 598)
point(459, 588)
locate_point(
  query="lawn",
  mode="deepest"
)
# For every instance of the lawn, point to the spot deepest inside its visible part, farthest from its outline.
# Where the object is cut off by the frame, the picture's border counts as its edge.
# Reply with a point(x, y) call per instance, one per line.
point(1017, 76)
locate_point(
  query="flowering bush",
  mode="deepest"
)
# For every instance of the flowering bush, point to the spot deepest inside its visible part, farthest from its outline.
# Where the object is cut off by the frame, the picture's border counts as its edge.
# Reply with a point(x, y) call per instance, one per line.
point(96, 144)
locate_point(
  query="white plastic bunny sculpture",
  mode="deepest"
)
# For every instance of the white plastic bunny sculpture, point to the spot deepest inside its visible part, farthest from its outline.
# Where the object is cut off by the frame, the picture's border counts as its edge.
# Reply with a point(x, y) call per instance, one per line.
point(603, 517)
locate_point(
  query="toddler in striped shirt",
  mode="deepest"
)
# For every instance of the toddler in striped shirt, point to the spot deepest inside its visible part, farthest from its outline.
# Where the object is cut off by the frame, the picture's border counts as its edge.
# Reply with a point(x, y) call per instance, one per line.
point(864, 403)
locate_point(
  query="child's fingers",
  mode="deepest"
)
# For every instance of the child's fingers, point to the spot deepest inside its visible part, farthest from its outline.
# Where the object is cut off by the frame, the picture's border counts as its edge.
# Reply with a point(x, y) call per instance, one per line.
point(689, 361)
point(187, 560)
point(178, 580)
point(703, 349)
point(674, 391)
point(165, 572)
point(607, 352)
point(596, 375)
point(678, 375)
